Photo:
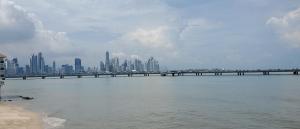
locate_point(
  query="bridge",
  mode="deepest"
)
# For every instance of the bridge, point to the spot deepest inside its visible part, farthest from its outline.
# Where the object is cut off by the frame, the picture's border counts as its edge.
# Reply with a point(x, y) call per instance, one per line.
point(169, 73)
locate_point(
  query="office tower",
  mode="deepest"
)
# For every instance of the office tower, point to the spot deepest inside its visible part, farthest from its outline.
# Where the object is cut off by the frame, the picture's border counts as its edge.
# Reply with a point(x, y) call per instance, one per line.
point(2, 66)
point(114, 64)
point(11, 68)
point(53, 67)
point(18, 68)
point(107, 63)
point(78, 66)
point(67, 69)
point(34, 64)
point(27, 70)
point(41, 63)
point(102, 67)
point(152, 65)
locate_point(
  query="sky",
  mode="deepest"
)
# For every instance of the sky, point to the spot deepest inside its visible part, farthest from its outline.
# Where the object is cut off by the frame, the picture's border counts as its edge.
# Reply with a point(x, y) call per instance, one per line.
point(180, 34)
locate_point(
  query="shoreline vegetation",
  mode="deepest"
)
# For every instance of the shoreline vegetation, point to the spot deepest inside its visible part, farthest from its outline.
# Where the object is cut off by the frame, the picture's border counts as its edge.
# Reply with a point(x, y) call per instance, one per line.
point(14, 117)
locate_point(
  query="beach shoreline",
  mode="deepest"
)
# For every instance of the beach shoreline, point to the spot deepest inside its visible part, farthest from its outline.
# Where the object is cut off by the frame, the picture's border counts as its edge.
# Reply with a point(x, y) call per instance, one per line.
point(16, 117)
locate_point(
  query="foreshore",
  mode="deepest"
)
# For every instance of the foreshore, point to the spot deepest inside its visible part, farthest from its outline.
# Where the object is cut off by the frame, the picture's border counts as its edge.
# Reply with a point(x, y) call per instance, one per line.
point(14, 117)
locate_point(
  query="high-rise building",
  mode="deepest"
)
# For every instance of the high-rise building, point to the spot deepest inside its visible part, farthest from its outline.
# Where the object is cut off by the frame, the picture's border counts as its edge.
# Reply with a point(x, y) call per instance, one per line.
point(34, 64)
point(107, 63)
point(152, 65)
point(67, 69)
point(11, 68)
point(41, 63)
point(27, 70)
point(2, 66)
point(53, 67)
point(78, 67)
point(102, 67)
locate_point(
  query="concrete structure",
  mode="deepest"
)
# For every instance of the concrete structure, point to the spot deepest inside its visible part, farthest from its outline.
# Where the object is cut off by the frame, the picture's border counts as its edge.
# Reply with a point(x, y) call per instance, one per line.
point(78, 67)
point(2, 71)
point(2, 66)
point(107, 62)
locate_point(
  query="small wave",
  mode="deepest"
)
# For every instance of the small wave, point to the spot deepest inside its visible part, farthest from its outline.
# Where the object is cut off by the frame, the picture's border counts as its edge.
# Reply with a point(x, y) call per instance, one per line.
point(53, 122)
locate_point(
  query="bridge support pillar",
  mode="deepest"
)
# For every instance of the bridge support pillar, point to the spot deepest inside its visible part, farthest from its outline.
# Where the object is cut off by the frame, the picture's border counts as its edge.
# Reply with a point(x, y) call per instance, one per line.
point(296, 73)
point(173, 74)
point(24, 77)
point(266, 73)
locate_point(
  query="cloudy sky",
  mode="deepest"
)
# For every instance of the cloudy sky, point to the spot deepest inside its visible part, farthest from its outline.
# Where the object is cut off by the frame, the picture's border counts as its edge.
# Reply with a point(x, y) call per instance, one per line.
point(179, 33)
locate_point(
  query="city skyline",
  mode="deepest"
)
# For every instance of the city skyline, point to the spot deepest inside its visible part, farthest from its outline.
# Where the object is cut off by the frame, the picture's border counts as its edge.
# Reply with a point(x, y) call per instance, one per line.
point(229, 34)
point(37, 66)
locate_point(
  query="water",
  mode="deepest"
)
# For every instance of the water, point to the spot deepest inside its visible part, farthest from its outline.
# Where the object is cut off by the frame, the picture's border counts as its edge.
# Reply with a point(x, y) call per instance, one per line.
point(187, 102)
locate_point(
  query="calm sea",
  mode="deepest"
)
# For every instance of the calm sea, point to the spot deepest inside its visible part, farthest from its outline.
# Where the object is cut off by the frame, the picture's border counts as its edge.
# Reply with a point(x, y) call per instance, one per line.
point(186, 102)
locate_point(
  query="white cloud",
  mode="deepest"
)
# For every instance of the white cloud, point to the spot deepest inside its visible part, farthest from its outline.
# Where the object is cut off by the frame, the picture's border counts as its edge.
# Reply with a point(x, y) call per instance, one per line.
point(288, 27)
point(151, 38)
point(22, 33)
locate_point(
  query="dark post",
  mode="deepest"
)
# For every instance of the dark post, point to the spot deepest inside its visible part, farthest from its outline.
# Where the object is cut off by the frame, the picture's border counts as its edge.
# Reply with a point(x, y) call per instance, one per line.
point(24, 77)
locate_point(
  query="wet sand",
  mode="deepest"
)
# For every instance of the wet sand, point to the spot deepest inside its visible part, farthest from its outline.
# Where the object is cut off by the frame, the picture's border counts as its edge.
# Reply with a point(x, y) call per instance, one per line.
point(13, 117)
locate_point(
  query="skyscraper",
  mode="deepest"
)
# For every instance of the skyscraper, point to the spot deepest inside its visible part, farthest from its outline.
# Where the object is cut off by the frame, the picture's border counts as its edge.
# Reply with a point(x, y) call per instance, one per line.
point(78, 65)
point(152, 65)
point(102, 67)
point(33, 64)
point(11, 68)
point(107, 63)
point(41, 63)
point(54, 67)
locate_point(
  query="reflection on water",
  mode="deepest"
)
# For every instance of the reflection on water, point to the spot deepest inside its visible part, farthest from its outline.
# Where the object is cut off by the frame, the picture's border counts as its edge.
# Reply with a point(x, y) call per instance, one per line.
point(248, 102)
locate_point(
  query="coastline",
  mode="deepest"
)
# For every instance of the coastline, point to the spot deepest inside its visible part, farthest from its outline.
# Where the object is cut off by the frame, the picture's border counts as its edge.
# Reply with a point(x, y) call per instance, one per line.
point(15, 117)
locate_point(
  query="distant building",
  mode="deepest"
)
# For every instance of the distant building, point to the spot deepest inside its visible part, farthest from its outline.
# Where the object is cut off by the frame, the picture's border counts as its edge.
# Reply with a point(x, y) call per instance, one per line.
point(107, 63)
point(27, 70)
point(34, 65)
point(2, 66)
point(67, 69)
point(152, 65)
point(53, 67)
point(41, 64)
point(11, 69)
point(78, 67)
point(102, 66)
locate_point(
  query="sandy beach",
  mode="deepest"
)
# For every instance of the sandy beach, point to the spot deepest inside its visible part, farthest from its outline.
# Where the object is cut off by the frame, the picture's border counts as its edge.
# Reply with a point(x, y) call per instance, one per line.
point(13, 117)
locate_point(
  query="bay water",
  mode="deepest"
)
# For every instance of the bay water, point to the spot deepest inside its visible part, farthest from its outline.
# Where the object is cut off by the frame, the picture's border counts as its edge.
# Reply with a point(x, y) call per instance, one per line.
point(155, 102)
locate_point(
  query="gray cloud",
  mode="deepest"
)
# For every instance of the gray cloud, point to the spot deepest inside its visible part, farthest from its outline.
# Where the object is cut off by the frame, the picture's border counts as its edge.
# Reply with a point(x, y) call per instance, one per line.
point(190, 33)
point(15, 23)
point(288, 27)
point(22, 33)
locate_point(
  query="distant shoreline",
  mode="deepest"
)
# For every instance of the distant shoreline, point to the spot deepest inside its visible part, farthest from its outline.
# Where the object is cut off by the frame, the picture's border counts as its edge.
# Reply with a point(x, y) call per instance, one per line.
point(15, 117)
